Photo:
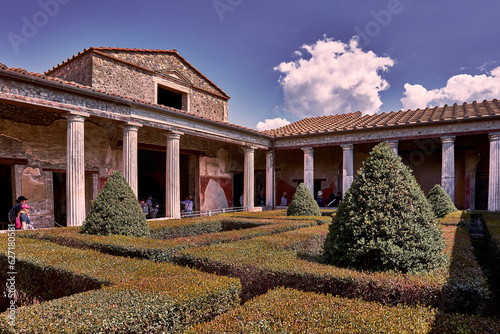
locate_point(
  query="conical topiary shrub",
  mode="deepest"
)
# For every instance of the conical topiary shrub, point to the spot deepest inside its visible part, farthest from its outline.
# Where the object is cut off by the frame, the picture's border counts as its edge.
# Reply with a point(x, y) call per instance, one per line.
point(440, 201)
point(303, 203)
point(385, 222)
point(116, 210)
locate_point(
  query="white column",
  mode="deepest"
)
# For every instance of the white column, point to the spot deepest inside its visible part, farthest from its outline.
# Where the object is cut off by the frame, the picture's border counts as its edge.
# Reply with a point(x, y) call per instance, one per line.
point(394, 145)
point(448, 166)
point(130, 155)
point(248, 191)
point(173, 187)
point(494, 173)
point(309, 169)
point(75, 170)
point(269, 179)
point(347, 167)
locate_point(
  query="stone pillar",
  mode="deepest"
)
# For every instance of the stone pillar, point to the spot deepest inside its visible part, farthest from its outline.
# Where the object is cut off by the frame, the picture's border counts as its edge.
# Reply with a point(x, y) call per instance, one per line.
point(130, 155)
point(248, 190)
point(394, 145)
point(309, 169)
point(270, 196)
point(347, 167)
point(173, 186)
point(494, 173)
point(448, 166)
point(75, 170)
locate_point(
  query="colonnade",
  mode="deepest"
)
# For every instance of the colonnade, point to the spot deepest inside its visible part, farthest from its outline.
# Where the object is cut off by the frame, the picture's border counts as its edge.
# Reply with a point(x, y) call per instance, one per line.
point(76, 169)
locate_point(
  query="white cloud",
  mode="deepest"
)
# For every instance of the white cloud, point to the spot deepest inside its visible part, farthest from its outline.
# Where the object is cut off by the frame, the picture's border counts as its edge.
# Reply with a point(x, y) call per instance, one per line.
point(274, 123)
point(332, 77)
point(459, 88)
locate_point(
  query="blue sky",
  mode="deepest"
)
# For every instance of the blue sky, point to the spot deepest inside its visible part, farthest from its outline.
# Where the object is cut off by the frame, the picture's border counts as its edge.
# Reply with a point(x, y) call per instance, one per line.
point(285, 59)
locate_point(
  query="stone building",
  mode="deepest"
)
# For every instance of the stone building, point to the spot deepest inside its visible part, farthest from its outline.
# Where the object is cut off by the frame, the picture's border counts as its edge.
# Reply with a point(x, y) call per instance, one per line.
point(155, 117)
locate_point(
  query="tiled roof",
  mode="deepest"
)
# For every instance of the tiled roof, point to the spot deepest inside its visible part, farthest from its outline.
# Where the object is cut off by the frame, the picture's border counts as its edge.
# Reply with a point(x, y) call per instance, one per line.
point(174, 51)
point(90, 89)
point(355, 121)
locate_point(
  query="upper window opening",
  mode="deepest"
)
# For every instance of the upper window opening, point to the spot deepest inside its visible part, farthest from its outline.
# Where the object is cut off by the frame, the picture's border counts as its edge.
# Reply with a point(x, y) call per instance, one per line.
point(169, 98)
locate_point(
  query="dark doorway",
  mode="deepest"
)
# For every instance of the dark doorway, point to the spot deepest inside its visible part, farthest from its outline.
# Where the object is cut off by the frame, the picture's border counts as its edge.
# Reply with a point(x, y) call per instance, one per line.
point(184, 177)
point(317, 187)
point(6, 200)
point(152, 176)
point(482, 184)
point(238, 180)
point(59, 181)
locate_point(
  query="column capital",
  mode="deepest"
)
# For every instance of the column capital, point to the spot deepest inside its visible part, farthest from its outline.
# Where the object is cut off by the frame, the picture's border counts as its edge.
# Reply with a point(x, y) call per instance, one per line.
point(494, 136)
point(173, 135)
point(132, 125)
point(268, 153)
point(307, 149)
point(393, 143)
point(347, 147)
point(248, 149)
point(447, 139)
point(76, 117)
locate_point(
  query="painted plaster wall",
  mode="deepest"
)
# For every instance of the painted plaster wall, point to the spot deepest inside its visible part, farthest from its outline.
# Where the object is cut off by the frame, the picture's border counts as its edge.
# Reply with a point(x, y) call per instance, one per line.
point(216, 177)
point(44, 148)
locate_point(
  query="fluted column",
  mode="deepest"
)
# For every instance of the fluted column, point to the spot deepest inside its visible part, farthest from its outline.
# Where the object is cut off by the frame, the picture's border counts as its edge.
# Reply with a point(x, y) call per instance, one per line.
point(448, 166)
point(494, 173)
point(173, 187)
point(75, 170)
point(347, 167)
point(309, 168)
point(394, 145)
point(269, 179)
point(248, 191)
point(130, 155)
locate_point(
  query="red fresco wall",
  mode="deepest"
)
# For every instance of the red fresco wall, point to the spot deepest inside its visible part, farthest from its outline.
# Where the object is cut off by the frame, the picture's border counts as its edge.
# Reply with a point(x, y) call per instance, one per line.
point(225, 183)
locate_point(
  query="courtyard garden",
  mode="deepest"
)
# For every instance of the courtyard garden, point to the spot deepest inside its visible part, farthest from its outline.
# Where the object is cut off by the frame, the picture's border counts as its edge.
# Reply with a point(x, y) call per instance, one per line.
point(264, 272)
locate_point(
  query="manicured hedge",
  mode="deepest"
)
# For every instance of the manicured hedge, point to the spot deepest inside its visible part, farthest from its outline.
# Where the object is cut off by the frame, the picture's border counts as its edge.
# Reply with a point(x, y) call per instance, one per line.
point(137, 295)
point(261, 264)
point(492, 224)
point(290, 311)
point(176, 228)
point(164, 250)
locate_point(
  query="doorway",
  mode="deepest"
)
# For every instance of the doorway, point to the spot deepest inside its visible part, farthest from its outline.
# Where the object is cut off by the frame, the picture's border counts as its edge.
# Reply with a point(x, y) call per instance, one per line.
point(238, 180)
point(6, 199)
point(482, 184)
point(59, 181)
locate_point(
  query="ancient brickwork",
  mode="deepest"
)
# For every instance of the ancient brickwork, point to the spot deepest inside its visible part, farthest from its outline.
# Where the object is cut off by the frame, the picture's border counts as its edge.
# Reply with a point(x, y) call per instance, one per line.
point(122, 79)
point(208, 106)
point(166, 62)
point(78, 70)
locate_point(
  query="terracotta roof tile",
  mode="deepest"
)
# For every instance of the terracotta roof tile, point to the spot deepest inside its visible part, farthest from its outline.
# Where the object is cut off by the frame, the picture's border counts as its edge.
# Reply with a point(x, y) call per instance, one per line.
point(353, 121)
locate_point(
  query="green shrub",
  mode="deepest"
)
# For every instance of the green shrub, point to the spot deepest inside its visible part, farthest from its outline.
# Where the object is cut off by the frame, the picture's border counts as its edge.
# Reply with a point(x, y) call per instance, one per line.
point(440, 201)
point(303, 203)
point(385, 222)
point(116, 210)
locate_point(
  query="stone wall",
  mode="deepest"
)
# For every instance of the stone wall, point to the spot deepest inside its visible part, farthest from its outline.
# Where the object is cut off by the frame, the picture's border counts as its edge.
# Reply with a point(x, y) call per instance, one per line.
point(78, 70)
point(166, 62)
point(111, 76)
point(122, 79)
